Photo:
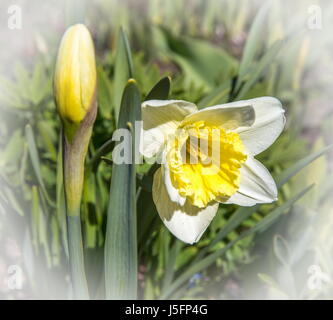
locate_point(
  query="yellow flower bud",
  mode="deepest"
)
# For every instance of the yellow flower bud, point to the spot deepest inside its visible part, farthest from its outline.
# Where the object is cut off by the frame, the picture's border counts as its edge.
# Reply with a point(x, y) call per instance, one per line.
point(75, 75)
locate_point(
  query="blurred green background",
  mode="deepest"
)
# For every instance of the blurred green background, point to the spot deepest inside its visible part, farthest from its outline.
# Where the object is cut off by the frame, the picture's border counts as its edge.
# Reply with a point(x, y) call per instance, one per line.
point(215, 51)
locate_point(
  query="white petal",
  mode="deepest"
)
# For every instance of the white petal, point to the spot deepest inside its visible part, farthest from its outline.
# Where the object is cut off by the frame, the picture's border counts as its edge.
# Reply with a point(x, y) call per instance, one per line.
point(187, 222)
point(268, 125)
point(172, 191)
point(152, 141)
point(258, 121)
point(161, 118)
point(229, 116)
point(256, 185)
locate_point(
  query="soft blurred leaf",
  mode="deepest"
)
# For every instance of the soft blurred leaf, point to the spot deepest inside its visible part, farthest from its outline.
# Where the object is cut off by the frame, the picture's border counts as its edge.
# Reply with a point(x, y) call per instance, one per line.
point(281, 249)
point(266, 61)
point(33, 152)
point(202, 62)
point(253, 43)
point(104, 94)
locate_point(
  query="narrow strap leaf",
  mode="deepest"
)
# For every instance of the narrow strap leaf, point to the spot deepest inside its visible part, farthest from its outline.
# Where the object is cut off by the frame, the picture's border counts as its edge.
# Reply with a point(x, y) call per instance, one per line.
point(121, 233)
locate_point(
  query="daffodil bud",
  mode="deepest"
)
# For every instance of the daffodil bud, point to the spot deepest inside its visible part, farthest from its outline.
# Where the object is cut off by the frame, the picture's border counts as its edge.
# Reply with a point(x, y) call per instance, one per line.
point(75, 78)
point(75, 96)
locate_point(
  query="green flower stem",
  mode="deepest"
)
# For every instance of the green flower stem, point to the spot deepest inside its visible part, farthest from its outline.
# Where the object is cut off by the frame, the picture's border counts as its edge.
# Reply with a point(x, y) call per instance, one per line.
point(74, 158)
point(76, 260)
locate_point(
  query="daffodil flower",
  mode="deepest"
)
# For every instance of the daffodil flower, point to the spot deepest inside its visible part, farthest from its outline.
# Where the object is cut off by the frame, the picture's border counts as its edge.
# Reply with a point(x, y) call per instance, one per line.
point(187, 193)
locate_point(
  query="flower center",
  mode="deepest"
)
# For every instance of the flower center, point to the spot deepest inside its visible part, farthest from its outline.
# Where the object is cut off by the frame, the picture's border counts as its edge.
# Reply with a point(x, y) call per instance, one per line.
point(204, 162)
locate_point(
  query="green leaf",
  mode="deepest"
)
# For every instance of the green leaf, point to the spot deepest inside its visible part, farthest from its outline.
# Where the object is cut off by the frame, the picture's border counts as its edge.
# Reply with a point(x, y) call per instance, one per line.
point(281, 249)
point(60, 196)
point(268, 280)
point(148, 219)
point(12, 152)
point(217, 96)
point(121, 233)
point(55, 244)
point(107, 161)
point(171, 263)
point(9, 96)
point(100, 153)
point(33, 152)
point(267, 221)
point(35, 212)
point(123, 69)
point(265, 62)
point(39, 223)
point(253, 44)
point(146, 181)
point(10, 197)
point(23, 80)
point(203, 63)
point(160, 91)
point(299, 165)
point(48, 137)
point(40, 84)
point(104, 94)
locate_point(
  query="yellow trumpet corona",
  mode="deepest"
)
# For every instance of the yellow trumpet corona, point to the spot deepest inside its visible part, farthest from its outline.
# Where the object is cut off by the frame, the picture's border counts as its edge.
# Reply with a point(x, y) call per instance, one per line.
point(75, 75)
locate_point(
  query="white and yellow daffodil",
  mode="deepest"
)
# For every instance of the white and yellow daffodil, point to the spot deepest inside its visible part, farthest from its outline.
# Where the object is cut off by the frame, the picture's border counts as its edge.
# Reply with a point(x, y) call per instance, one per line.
point(186, 192)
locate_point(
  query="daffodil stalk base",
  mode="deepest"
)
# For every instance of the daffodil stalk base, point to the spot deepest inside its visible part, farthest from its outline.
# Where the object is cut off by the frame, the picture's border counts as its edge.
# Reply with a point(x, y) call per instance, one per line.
point(75, 248)
point(74, 159)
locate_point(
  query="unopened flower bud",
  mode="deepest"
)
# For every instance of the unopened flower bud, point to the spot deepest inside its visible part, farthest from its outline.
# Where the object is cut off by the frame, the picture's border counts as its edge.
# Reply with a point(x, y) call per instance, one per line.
point(75, 76)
